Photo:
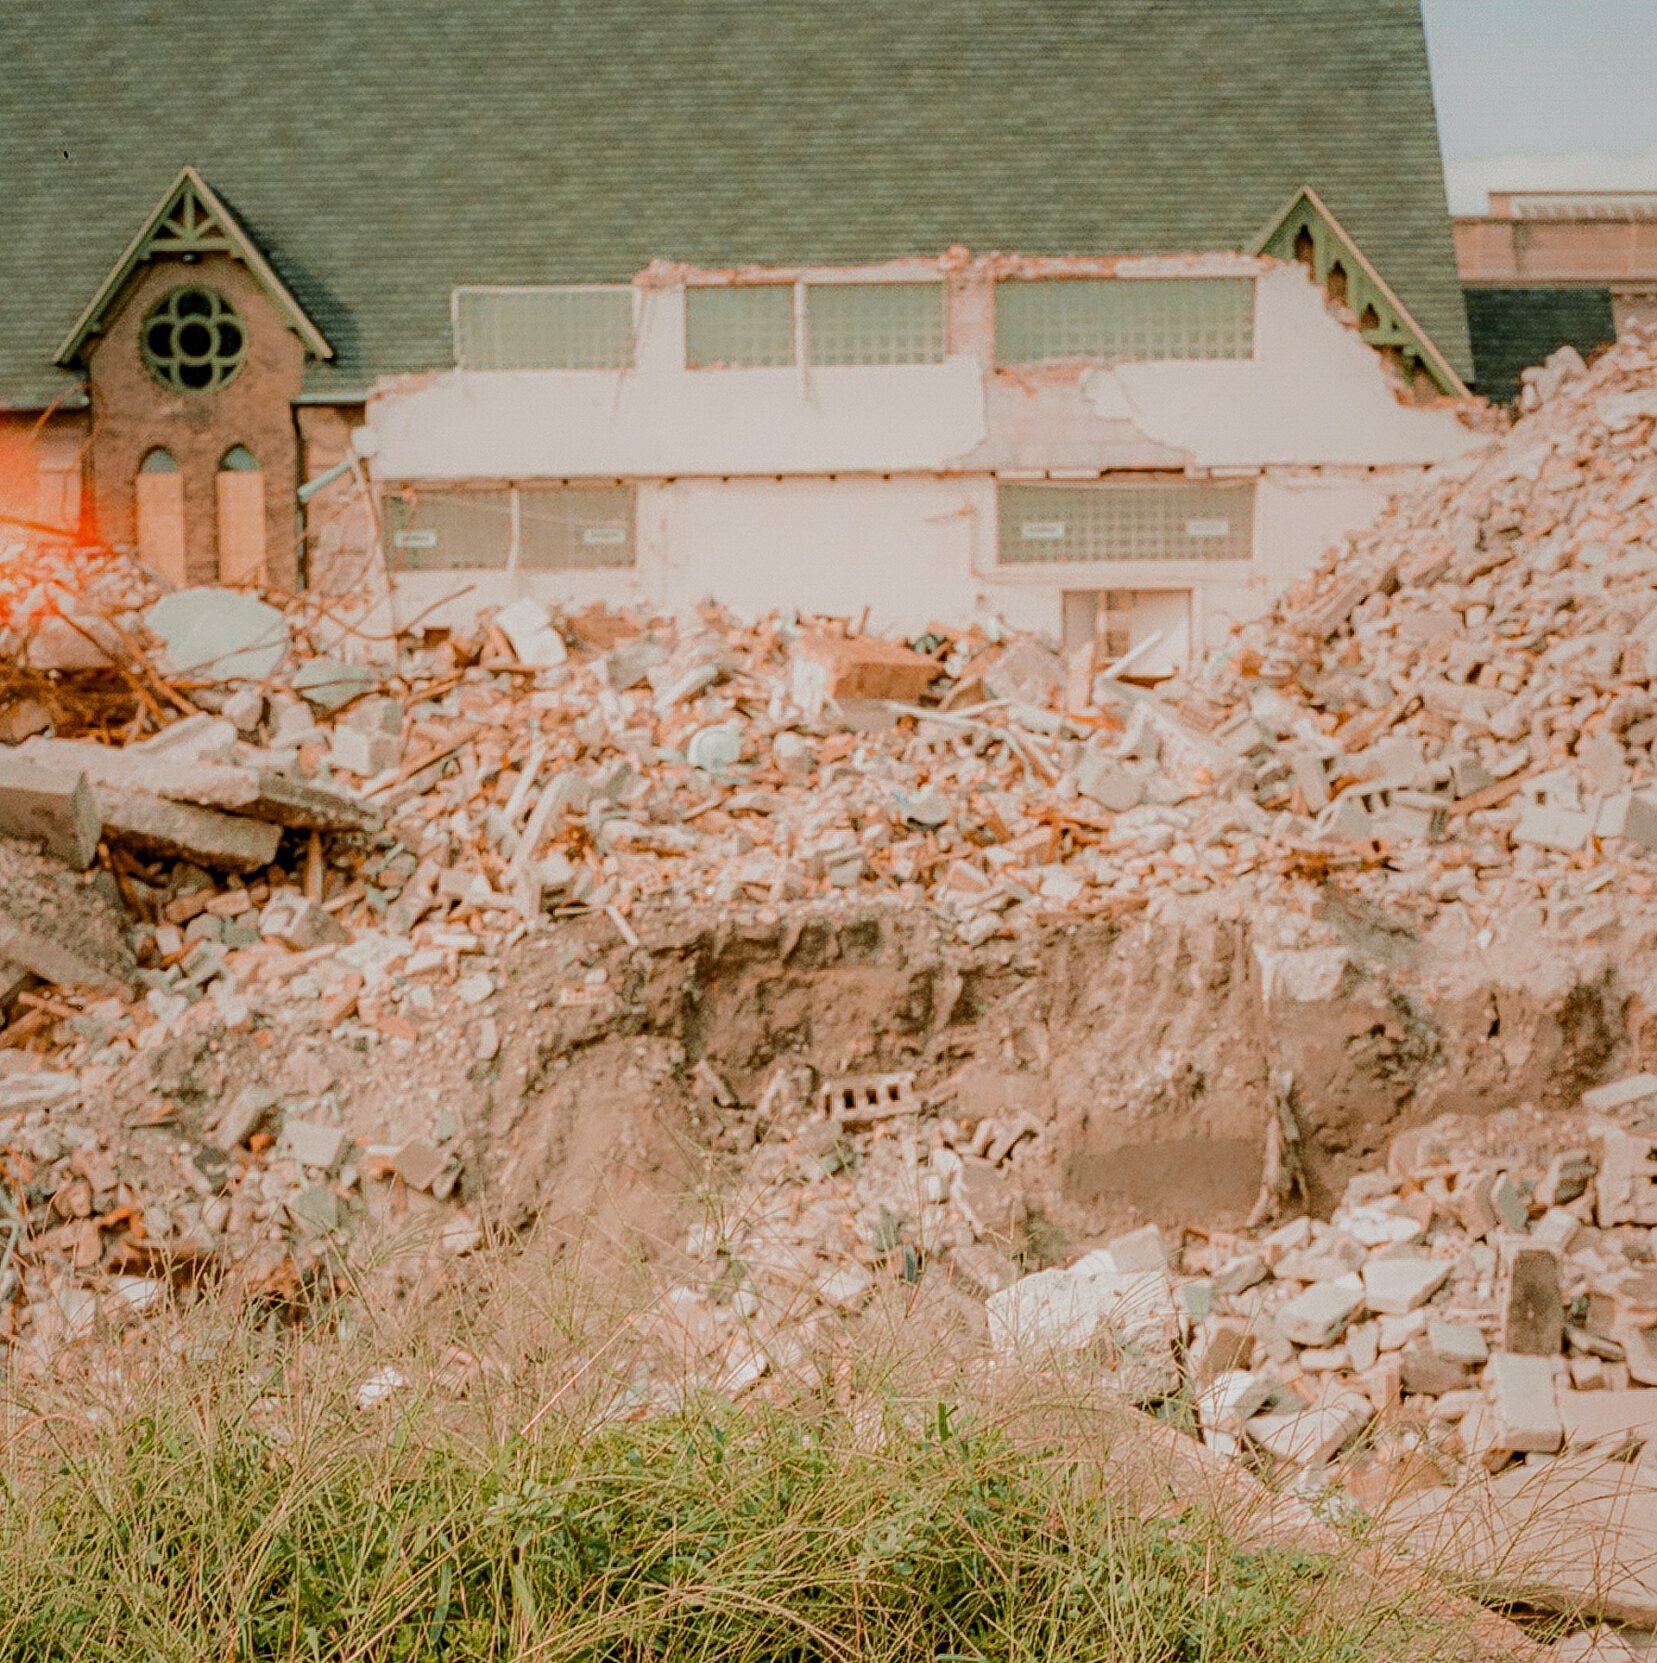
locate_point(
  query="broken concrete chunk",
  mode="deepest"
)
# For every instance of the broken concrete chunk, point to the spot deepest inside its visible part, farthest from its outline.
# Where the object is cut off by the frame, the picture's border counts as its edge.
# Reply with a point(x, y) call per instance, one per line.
point(300, 924)
point(219, 635)
point(58, 924)
point(181, 831)
point(1310, 1437)
point(528, 628)
point(332, 683)
point(419, 1165)
point(362, 754)
point(1460, 1343)
point(1141, 1249)
point(261, 793)
point(1533, 1313)
point(1394, 1287)
point(51, 807)
point(1524, 1395)
point(1065, 1310)
point(310, 1143)
point(242, 1117)
point(1319, 1316)
point(1546, 827)
point(859, 667)
point(1630, 815)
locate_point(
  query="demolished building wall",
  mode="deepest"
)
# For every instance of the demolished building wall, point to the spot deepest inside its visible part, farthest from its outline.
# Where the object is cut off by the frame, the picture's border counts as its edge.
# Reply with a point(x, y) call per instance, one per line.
point(879, 486)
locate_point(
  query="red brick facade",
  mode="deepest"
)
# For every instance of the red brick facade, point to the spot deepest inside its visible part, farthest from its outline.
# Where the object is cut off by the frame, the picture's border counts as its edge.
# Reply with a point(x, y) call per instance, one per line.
point(133, 413)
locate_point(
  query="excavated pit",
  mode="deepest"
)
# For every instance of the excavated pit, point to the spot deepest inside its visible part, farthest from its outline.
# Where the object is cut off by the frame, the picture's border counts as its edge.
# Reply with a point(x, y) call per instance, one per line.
point(1149, 1055)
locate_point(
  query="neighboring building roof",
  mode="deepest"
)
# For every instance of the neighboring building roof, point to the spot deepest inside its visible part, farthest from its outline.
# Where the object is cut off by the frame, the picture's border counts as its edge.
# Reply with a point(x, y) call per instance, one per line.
point(1514, 328)
point(380, 154)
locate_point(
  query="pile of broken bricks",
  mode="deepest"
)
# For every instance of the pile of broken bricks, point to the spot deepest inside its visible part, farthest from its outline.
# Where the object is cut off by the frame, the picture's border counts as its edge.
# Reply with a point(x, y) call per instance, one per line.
point(1455, 715)
point(1467, 693)
point(1459, 1316)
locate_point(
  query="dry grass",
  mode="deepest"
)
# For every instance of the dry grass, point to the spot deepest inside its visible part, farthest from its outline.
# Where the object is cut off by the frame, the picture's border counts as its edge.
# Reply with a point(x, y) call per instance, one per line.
point(547, 1491)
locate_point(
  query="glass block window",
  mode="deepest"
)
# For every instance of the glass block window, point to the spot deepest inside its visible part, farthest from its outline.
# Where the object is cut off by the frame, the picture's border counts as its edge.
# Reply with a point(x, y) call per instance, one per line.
point(1123, 318)
point(544, 329)
point(739, 328)
point(875, 323)
point(575, 528)
point(1047, 524)
point(447, 530)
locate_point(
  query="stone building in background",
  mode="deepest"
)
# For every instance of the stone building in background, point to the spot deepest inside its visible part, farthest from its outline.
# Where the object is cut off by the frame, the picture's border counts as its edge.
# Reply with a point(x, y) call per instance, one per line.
point(1546, 269)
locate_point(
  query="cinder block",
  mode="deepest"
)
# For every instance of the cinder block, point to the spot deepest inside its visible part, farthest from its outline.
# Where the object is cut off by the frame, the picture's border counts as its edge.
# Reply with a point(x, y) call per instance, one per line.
point(51, 807)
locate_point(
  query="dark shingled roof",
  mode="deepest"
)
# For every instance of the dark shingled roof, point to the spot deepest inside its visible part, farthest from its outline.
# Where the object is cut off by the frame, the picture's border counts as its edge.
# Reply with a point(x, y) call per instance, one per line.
point(382, 151)
point(1514, 328)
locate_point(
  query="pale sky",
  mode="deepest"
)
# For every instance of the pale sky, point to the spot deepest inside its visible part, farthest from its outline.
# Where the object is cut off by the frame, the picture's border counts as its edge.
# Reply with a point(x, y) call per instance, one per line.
point(1544, 94)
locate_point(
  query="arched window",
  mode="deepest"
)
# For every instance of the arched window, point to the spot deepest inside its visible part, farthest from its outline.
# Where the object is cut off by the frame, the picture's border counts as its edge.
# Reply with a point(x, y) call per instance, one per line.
point(158, 501)
point(241, 497)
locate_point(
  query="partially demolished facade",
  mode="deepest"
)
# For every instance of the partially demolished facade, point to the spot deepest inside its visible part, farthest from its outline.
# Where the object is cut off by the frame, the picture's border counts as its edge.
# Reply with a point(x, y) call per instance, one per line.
point(747, 354)
point(1139, 451)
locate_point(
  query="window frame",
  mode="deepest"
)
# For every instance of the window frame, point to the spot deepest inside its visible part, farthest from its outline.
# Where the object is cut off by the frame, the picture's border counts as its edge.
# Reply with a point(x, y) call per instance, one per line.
point(1177, 566)
point(513, 491)
point(1117, 285)
point(789, 286)
point(631, 290)
point(804, 359)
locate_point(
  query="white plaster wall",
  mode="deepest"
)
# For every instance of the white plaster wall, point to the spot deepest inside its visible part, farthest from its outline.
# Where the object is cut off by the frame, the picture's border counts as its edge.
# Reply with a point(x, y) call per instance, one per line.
point(838, 489)
point(1313, 393)
point(913, 550)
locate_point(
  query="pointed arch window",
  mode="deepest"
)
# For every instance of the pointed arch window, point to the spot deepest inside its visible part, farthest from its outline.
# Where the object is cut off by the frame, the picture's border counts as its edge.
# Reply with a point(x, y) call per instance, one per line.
point(158, 503)
point(241, 502)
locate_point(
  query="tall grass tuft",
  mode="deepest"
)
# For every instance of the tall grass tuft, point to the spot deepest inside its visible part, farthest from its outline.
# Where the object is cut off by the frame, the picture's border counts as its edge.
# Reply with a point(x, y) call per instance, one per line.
point(238, 1499)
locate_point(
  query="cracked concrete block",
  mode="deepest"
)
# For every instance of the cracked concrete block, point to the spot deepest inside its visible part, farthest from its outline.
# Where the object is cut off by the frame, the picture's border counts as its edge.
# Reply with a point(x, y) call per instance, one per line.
point(1319, 1316)
point(1395, 1287)
point(52, 807)
point(1524, 1395)
point(59, 924)
point(528, 627)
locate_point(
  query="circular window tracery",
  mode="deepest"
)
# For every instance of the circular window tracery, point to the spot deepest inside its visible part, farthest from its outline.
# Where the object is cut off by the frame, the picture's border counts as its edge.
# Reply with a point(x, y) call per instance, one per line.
point(193, 340)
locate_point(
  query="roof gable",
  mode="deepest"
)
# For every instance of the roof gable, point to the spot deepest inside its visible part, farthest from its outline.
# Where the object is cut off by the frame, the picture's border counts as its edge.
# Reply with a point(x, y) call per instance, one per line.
point(189, 220)
point(1306, 229)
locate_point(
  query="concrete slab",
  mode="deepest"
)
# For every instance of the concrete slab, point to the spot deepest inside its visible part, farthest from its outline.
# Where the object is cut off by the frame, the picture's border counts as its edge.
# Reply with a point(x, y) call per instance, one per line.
point(1524, 1392)
point(181, 831)
point(258, 793)
point(52, 807)
point(1395, 1287)
point(57, 923)
point(218, 635)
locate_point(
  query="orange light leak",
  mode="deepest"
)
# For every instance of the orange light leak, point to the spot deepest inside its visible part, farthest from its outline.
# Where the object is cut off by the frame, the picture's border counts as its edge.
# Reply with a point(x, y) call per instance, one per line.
point(41, 564)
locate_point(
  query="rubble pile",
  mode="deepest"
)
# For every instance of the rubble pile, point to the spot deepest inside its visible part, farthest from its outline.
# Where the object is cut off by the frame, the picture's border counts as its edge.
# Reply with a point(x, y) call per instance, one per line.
point(1487, 1305)
point(1469, 690)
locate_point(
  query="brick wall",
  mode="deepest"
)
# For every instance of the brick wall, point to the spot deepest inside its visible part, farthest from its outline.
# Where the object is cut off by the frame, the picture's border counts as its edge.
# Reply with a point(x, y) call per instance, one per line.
point(342, 555)
point(133, 413)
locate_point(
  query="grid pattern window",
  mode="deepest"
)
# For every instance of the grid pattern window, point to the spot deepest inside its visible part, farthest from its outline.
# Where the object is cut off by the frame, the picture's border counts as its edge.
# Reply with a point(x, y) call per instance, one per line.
point(875, 323)
point(746, 327)
point(544, 329)
point(1050, 524)
point(1123, 319)
point(448, 530)
point(575, 528)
